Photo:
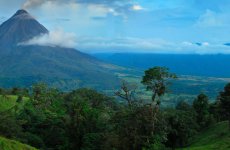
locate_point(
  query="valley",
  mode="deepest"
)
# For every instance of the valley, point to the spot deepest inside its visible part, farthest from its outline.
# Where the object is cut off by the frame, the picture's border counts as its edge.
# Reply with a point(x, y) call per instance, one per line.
point(184, 88)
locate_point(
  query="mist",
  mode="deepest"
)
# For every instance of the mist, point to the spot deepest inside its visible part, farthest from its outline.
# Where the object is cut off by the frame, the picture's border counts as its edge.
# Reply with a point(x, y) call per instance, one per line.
point(55, 38)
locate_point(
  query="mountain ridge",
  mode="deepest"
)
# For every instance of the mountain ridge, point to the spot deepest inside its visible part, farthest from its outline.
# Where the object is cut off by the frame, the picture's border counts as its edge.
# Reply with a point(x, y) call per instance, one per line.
point(34, 63)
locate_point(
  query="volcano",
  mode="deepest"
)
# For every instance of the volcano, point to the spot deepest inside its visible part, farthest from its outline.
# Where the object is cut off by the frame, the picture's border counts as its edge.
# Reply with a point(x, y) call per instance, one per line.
point(20, 27)
point(65, 68)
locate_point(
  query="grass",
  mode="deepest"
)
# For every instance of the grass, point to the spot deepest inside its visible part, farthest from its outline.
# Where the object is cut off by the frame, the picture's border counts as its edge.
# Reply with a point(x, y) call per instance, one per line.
point(9, 101)
point(6, 144)
point(216, 137)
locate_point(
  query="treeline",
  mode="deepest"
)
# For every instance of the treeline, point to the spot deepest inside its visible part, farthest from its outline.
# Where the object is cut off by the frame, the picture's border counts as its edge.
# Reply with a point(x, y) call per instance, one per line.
point(14, 91)
point(87, 120)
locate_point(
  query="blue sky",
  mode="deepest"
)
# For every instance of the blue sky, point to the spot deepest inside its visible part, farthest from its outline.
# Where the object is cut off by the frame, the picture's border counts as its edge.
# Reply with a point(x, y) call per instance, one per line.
point(156, 26)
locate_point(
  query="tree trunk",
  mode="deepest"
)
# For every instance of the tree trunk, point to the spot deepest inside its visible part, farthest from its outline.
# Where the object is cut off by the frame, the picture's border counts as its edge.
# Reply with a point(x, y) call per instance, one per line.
point(229, 122)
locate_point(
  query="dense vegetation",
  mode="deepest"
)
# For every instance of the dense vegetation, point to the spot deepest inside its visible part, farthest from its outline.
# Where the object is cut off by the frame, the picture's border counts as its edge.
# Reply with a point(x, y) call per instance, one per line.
point(84, 119)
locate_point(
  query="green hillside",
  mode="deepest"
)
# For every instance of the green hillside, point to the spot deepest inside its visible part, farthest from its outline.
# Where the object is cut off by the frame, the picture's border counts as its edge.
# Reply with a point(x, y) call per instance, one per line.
point(6, 144)
point(216, 137)
point(6, 103)
point(9, 101)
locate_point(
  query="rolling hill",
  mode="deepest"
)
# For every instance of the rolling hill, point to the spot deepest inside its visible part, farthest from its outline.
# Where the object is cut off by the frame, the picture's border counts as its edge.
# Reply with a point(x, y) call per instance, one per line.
point(216, 137)
point(6, 144)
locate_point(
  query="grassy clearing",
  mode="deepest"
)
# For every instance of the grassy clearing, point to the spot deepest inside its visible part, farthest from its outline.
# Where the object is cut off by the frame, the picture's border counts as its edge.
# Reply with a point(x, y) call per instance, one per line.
point(6, 144)
point(216, 137)
point(9, 101)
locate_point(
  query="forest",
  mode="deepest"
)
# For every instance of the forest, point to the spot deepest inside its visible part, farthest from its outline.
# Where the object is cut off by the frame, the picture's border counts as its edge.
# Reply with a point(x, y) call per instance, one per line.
point(84, 119)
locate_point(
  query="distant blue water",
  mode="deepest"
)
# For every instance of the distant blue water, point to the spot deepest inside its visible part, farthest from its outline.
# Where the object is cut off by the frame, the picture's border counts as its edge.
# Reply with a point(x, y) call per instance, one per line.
point(198, 65)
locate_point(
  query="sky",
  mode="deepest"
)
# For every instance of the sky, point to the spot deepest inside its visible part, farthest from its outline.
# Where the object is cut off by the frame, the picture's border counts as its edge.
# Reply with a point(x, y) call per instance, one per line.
point(142, 26)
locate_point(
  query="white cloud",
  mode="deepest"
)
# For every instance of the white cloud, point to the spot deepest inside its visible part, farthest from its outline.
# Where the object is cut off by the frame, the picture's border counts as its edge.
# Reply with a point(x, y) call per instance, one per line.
point(54, 38)
point(81, 17)
point(32, 3)
point(187, 43)
point(213, 19)
point(114, 7)
point(205, 44)
point(203, 48)
point(139, 45)
point(137, 7)
point(126, 44)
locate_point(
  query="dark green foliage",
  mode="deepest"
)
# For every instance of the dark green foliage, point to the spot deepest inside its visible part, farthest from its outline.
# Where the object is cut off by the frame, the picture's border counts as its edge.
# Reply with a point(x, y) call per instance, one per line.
point(14, 91)
point(33, 139)
point(43, 120)
point(182, 105)
point(19, 99)
point(224, 98)
point(215, 111)
point(132, 128)
point(88, 113)
point(1, 91)
point(87, 120)
point(9, 125)
point(201, 106)
point(157, 79)
point(181, 127)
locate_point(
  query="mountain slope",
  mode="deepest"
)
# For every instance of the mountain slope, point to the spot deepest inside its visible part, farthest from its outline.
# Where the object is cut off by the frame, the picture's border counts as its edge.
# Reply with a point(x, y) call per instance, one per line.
point(6, 144)
point(215, 137)
point(20, 27)
point(61, 67)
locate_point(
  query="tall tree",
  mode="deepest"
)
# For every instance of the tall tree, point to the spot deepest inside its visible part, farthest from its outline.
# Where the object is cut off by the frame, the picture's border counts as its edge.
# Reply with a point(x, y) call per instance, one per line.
point(201, 107)
point(86, 119)
point(156, 79)
point(224, 98)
